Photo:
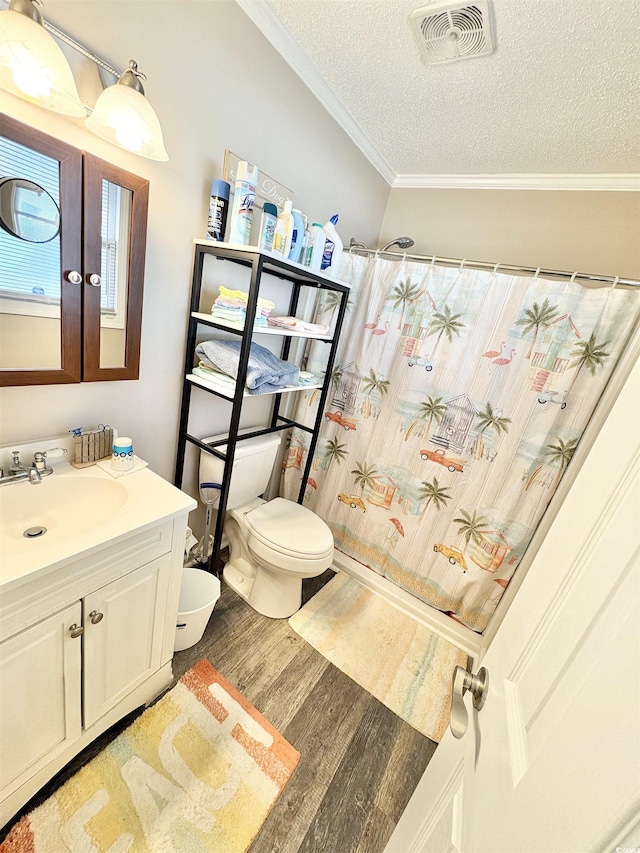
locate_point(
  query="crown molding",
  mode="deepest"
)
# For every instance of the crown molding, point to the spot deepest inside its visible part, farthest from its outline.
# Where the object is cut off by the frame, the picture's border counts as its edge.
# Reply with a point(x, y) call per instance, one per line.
point(279, 36)
point(574, 182)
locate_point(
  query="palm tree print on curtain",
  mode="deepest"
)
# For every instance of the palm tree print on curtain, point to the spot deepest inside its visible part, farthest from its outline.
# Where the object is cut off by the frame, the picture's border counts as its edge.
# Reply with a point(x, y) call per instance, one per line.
point(463, 449)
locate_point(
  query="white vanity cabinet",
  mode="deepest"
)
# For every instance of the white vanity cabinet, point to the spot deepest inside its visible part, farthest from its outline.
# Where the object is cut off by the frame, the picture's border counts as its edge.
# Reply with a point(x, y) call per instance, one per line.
point(83, 643)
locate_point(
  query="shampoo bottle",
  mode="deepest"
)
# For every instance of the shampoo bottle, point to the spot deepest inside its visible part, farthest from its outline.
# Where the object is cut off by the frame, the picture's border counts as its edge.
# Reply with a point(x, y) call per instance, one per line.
point(332, 255)
point(243, 200)
point(218, 208)
point(296, 236)
point(268, 226)
point(284, 231)
point(317, 240)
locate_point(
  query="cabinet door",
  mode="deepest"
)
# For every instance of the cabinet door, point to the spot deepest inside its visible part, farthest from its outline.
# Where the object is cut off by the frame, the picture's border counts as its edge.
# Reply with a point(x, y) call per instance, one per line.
point(40, 316)
point(115, 231)
point(39, 695)
point(124, 624)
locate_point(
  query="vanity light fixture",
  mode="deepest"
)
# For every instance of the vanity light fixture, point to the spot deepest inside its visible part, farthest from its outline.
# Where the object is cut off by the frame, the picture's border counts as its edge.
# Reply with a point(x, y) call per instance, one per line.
point(122, 115)
point(32, 66)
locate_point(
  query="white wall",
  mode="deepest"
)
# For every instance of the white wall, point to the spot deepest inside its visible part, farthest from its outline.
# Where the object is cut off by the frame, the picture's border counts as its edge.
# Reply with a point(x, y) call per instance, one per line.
point(216, 84)
point(592, 232)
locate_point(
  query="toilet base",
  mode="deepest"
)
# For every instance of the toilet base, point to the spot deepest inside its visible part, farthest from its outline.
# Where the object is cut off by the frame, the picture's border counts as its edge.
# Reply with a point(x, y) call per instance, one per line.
point(274, 595)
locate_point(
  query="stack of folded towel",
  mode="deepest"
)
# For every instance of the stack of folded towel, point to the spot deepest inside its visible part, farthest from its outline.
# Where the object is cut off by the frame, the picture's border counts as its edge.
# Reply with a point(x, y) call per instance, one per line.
point(266, 373)
point(231, 306)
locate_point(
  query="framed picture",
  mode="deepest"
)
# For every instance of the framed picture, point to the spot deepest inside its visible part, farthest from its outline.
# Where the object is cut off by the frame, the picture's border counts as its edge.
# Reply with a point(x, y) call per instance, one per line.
point(267, 188)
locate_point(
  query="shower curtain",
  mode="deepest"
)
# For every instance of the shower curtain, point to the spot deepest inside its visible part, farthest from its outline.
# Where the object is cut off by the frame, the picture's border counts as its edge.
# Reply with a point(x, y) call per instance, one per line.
point(457, 400)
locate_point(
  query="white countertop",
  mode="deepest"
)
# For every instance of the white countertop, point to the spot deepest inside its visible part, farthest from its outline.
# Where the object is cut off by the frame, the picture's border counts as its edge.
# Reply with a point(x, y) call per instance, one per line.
point(149, 500)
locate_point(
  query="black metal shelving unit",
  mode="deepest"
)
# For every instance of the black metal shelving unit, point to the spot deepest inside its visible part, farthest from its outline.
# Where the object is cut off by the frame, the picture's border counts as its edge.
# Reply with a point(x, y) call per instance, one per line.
point(258, 263)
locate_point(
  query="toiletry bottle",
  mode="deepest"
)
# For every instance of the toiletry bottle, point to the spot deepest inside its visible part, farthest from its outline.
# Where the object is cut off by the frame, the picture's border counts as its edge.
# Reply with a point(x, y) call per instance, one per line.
point(332, 255)
point(296, 235)
point(268, 226)
point(316, 246)
point(243, 200)
point(284, 231)
point(218, 209)
point(304, 249)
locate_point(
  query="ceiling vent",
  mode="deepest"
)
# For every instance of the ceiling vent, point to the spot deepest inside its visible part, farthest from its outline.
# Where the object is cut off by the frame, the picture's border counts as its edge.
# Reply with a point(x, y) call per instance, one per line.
point(448, 32)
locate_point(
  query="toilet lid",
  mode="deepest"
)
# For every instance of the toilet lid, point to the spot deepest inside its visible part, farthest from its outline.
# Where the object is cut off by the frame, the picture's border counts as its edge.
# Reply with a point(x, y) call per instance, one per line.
point(290, 528)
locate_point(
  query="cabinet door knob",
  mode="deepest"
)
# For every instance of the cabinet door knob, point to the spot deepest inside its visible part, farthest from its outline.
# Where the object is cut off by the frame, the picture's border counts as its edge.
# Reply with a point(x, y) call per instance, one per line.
point(95, 616)
point(74, 277)
point(76, 630)
point(95, 280)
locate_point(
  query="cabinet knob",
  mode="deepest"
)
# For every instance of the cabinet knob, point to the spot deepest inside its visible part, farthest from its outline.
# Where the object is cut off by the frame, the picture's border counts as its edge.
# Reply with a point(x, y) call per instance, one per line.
point(76, 630)
point(95, 279)
point(95, 616)
point(74, 277)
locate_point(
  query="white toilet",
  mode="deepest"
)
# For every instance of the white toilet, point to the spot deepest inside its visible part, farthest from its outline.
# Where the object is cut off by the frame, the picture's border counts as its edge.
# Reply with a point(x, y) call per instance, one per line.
point(273, 544)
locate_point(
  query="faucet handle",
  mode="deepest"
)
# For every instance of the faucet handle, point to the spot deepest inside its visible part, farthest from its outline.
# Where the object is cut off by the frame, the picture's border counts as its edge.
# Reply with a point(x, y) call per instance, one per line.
point(40, 457)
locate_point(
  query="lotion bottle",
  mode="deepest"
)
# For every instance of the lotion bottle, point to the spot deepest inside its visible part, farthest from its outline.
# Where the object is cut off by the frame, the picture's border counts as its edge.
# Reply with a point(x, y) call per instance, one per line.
point(243, 200)
point(297, 236)
point(268, 226)
point(317, 240)
point(284, 231)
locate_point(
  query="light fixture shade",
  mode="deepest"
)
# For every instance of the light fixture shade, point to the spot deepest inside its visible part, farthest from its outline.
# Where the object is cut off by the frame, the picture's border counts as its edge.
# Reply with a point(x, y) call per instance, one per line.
point(33, 67)
point(125, 117)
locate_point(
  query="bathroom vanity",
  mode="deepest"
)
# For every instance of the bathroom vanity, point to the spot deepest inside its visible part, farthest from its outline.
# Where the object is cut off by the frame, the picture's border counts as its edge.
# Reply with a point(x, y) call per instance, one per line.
point(87, 613)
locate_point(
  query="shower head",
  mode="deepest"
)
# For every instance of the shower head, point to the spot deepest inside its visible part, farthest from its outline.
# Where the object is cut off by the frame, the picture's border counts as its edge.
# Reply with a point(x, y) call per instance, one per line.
point(400, 242)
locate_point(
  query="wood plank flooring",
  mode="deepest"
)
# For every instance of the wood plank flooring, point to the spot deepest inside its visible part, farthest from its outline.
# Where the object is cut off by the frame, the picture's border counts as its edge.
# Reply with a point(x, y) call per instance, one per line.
point(359, 762)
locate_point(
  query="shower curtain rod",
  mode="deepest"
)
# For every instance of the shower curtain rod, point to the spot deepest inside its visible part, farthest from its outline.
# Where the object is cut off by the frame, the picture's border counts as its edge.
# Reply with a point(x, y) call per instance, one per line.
point(484, 265)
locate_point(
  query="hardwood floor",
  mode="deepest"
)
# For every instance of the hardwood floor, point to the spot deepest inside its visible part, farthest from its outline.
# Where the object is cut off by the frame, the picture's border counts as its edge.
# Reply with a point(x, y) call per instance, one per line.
point(359, 762)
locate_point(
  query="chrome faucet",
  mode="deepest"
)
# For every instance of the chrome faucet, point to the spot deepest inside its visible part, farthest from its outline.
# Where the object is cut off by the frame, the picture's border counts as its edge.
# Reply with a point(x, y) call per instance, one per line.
point(39, 468)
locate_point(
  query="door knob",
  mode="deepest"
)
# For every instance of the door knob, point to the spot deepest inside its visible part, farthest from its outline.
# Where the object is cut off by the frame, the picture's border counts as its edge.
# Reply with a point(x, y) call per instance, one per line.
point(74, 277)
point(462, 681)
point(95, 279)
point(76, 630)
point(95, 617)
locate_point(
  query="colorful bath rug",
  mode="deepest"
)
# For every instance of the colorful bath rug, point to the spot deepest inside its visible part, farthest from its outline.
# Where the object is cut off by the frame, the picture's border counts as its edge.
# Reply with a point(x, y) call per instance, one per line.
point(198, 771)
point(403, 664)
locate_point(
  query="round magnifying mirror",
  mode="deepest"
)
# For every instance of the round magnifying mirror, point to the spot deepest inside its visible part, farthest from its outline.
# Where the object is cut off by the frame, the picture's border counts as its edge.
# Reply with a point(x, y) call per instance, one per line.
point(28, 211)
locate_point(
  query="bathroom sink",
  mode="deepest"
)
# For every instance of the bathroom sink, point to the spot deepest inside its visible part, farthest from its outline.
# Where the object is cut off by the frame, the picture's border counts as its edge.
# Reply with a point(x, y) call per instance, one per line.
point(65, 505)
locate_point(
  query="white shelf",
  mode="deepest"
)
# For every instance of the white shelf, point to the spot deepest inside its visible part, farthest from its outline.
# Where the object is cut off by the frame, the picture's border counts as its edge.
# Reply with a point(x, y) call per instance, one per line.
point(280, 264)
point(198, 380)
point(209, 319)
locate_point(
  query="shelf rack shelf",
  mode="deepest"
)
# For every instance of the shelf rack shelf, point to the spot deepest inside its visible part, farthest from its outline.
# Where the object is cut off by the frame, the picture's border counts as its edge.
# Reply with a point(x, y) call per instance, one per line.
point(258, 263)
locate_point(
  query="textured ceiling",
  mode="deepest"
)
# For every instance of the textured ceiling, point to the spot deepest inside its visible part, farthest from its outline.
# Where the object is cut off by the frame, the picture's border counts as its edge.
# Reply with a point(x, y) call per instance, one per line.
point(560, 95)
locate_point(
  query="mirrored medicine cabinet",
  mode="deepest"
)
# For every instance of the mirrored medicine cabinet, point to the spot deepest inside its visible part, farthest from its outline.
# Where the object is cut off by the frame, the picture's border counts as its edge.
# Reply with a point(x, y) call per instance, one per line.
point(72, 249)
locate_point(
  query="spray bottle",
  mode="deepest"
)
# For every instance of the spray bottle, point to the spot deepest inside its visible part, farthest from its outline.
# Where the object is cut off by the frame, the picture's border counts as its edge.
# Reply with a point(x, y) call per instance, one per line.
point(243, 200)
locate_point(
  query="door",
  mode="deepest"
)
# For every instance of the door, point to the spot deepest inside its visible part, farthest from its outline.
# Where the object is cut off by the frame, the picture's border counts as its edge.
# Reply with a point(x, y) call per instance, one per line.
point(552, 761)
point(123, 636)
point(40, 696)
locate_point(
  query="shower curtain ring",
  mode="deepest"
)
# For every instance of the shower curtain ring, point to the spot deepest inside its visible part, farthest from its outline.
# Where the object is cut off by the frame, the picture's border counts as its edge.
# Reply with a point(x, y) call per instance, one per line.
point(462, 263)
point(537, 272)
point(495, 269)
point(573, 277)
point(615, 281)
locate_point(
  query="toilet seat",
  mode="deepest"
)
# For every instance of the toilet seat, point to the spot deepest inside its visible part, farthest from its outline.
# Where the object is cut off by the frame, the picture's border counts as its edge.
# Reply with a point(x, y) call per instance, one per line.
point(289, 529)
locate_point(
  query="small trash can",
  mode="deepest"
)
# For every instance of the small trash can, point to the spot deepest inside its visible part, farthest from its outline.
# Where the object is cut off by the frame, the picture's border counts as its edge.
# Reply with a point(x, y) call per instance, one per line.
point(199, 592)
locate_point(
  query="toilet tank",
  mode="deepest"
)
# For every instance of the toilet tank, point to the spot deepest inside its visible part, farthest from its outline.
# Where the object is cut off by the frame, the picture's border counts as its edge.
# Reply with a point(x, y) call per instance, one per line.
point(252, 466)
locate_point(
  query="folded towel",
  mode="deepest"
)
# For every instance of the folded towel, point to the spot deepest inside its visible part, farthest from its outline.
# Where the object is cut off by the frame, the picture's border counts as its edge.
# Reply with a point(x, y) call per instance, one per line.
point(216, 374)
point(240, 296)
point(297, 325)
point(265, 372)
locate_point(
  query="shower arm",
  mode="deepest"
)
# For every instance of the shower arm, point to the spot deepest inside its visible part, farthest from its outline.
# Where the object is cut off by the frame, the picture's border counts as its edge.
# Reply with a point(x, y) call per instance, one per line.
point(359, 249)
